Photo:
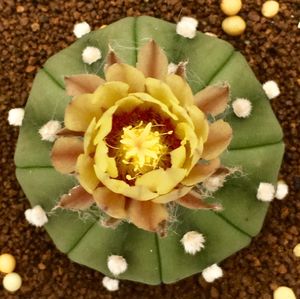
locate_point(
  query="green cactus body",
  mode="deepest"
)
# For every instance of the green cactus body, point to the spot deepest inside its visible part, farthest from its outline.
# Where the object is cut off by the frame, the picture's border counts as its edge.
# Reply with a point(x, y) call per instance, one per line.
point(256, 147)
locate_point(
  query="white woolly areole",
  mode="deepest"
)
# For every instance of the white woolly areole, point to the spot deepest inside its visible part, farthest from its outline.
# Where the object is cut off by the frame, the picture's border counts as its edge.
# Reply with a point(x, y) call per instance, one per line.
point(282, 190)
point(91, 55)
point(110, 284)
point(214, 183)
point(15, 116)
point(36, 216)
point(187, 27)
point(212, 273)
point(265, 192)
point(116, 264)
point(172, 67)
point(242, 107)
point(81, 29)
point(271, 89)
point(49, 130)
point(193, 242)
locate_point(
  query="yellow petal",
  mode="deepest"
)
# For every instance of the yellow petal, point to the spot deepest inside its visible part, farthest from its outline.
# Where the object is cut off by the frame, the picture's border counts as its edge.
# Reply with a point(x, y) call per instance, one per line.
point(111, 203)
point(65, 152)
point(160, 91)
point(200, 172)
point(147, 215)
point(213, 99)
point(85, 83)
point(181, 89)
point(86, 174)
point(173, 195)
point(89, 136)
point(106, 95)
point(127, 74)
point(187, 134)
point(219, 137)
point(200, 122)
point(160, 180)
point(136, 192)
point(178, 156)
point(152, 61)
point(80, 112)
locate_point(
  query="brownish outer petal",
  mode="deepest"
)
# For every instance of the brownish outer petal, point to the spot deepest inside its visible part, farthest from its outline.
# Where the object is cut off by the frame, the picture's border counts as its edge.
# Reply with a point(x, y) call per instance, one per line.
point(65, 152)
point(111, 58)
point(195, 202)
point(76, 199)
point(113, 204)
point(147, 215)
point(212, 99)
point(64, 132)
point(152, 61)
point(219, 137)
point(85, 83)
point(201, 171)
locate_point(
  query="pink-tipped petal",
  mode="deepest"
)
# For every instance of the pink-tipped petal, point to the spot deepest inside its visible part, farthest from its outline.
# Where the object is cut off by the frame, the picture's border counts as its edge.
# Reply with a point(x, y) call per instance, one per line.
point(85, 83)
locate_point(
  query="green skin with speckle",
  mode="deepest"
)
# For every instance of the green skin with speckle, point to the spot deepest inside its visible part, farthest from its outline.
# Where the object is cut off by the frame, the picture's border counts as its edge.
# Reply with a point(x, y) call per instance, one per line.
point(257, 147)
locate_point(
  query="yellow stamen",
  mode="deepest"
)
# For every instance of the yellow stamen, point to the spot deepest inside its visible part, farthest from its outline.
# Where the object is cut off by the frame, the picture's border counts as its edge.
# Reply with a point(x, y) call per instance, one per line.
point(142, 147)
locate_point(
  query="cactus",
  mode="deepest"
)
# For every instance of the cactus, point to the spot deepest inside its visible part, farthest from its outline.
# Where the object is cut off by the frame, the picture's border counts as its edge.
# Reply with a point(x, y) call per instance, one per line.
point(150, 258)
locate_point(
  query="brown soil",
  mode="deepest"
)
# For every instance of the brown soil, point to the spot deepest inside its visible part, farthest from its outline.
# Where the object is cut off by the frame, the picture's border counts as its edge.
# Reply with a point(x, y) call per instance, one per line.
point(33, 30)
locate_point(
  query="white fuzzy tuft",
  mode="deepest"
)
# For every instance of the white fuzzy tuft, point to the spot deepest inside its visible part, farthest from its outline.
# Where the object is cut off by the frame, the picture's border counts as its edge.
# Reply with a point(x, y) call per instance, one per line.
point(212, 273)
point(187, 27)
point(193, 242)
point(172, 67)
point(271, 89)
point(81, 29)
point(49, 130)
point(242, 107)
point(214, 183)
point(265, 192)
point(36, 216)
point(282, 190)
point(110, 284)
point(91, 55)
point(15, 116)
point(116, 264)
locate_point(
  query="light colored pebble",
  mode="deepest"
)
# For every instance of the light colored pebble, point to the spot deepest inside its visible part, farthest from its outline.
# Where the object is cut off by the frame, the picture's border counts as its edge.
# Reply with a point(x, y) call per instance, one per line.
point(296, 250)
point(110, 284)
point(265, 192)
point(270, 9)
point(282, 190)
point(210, 274)
point(15, 116)
point(271, 89)
point(284, 293)
point(234, 25)
point(7, 263)
point(231, 7)
point(12, 282)
point(81, 29)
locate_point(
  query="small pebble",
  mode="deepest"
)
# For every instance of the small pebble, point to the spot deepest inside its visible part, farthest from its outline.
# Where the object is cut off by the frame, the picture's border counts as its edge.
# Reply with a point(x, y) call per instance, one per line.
point(7, 263)
point(81, 29)
point(271, 89)
point(282, 190)
point(110, 284)
point(296, 250)
point(270, 9)
point(15, 116)
point(284, 293)
point(12, 282)
point(234, 25)
point(231, 7)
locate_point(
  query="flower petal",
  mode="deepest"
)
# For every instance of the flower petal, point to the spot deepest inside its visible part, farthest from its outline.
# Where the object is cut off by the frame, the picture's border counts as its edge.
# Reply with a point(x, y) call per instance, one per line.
point(195, 202)
point(200, 172)
point(160, 180)
point(85, 83)
point(178, 156)
point(127, 74)
point(64, 132)
point(86, 173)
point(65, 152)
point(111, 58)
point(76, 199)
point(181, 69)
point(80, 112)
point(220, 135)
point(111, 203)
point(173, 195)
point(161, 91)
point(181, 89)
point(212, 99)
point(147, 215)
point(152, 61)
point(89, 137)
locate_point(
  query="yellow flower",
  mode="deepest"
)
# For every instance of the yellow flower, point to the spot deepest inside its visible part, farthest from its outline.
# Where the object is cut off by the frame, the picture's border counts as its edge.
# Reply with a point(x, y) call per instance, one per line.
point(140, 139)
